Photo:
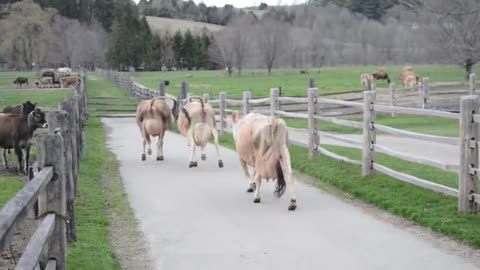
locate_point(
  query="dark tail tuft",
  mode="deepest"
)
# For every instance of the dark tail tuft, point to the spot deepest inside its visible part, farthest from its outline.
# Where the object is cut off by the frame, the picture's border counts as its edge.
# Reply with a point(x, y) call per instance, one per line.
point(187, 116)
point(281, 186)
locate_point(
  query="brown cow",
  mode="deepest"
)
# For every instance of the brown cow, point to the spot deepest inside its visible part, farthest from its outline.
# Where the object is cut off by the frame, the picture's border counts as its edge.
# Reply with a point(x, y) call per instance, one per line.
point(381, 75)
point(19, 81)
point(24, 108)
point(154, 117)
point(44, 82)
point(303, 71)
point(366, 79)
point(16, 132)
point(67, 81)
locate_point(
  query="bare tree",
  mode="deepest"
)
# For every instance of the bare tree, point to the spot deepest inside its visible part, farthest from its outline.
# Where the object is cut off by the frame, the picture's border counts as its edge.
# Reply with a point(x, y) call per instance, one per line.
point(222, 51)
point(270, 36)
point(454, 25)
point(239, 41)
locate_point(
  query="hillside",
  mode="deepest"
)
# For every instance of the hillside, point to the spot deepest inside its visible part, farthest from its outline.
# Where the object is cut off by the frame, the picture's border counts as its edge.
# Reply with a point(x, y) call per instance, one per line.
point(161, 25)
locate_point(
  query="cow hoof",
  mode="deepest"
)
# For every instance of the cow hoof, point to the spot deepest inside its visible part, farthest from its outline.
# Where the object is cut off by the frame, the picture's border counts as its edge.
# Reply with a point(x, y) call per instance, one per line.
point(149, 152)
point(256, 200)
point(144, 157)
point(220, 164)
point(160, 158)
point(204, 157)
point(292, 207)
point(193, 164)
point(252, 187)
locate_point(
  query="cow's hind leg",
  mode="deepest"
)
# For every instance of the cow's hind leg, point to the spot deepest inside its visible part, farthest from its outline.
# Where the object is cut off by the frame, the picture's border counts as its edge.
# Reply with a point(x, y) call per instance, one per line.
point(287, 172)
point(4, 156)
point(27, 157)
point(215, 141)
point(251, 183)
point(203, 156)
point(258, 181)
point(193, 157)
point(160, 147)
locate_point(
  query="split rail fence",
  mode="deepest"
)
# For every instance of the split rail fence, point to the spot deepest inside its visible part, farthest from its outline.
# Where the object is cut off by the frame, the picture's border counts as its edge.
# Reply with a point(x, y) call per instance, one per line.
point(469, 119)
point(52, 188)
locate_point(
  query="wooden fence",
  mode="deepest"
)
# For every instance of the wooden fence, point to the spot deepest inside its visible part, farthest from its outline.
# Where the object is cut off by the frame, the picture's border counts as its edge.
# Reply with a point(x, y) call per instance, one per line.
point(467, 143)
point(52, 188)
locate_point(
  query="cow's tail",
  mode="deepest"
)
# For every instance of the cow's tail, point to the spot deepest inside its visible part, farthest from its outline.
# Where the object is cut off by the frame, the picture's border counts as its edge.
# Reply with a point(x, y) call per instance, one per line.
point(202, 103)
point(274, 138)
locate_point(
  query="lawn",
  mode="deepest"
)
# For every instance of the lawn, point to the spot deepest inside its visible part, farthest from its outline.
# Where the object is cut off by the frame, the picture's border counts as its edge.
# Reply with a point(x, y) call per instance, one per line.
point(328, 80)
point(7, 78)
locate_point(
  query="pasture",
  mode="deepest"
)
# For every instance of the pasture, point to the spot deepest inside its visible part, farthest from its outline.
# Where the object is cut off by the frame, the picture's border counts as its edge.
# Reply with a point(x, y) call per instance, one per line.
point(328, 80)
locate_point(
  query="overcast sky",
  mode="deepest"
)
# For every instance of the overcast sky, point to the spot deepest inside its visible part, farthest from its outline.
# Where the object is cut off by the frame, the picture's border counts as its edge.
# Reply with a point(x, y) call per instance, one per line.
point(246, 3)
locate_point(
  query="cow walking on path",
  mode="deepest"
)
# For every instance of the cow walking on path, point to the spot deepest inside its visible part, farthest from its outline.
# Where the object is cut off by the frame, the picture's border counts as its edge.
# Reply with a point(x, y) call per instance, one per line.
point(262, 143)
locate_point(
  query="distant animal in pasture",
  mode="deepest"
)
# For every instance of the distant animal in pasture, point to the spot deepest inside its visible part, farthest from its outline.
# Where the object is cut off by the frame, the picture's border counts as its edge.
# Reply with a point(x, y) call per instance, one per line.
point(366, 79)
point(20, 81)
point(196, 121)
point(67, 81)
point(154, 117)
point(65, 71)
point(44, 82)
point(381, 75)
point(411, 80)
point(262, 143)
point(16, 132)
point(303, 71)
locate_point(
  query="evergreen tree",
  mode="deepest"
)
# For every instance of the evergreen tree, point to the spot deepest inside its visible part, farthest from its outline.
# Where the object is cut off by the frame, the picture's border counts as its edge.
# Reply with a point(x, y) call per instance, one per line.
point(177, 47)
point(157, 52)
point(187, 50)
point(103, 11)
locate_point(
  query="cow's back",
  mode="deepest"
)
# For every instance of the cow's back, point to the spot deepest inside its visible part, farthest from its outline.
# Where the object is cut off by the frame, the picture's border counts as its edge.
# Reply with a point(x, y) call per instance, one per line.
point(12, 127)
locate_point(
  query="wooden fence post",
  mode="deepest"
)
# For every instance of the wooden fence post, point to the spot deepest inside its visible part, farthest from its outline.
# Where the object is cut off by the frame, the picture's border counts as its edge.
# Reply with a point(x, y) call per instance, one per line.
point(467, 183)
point(183, 90)
point(62, 121)
point(247, 95)
point(69, 106)
point(313, 124)
point(424, 89)
point(50, 152)
point(161, 91)
point(206, 97)
point(222, 106)
point(311, 83)
point(472, 79)
point(274, 102)
point(369, 136)
point(392, 96)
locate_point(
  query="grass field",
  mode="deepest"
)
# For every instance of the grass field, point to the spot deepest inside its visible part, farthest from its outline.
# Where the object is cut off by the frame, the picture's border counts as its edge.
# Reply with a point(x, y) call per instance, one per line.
point(7, 78)
point(328, 80)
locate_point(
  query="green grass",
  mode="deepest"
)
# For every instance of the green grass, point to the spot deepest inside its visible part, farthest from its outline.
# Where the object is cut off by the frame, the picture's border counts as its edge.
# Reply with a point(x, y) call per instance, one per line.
point(9, 186)
point(424, 207)
point(93, 249)
point(329, 80)
point(7, 78)
point(44, 98)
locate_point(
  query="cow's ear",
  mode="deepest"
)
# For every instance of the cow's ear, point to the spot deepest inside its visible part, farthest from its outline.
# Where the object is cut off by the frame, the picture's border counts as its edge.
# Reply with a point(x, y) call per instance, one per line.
point(234, 117)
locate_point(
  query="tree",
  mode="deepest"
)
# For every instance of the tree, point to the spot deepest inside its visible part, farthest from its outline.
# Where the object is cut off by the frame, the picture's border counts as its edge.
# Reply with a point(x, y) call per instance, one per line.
point(188, 50)
point(177, 47)
point(222, 52)
point(103, 10)
point(454, 25)
point(269, 38)
point(239, 41)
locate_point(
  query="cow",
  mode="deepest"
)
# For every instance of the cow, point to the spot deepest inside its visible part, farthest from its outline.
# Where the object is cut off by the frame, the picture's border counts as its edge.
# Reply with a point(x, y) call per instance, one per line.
point(262, 143)
point(411, 80)
point(16, 132)
point(196, 121)
point(44, 82)
point(154, 117)
point(381, 75)
point(366, 80)
point(65, 71)
point(23, 109)
point(303, 71)
point(19, 81)
point(67, 81)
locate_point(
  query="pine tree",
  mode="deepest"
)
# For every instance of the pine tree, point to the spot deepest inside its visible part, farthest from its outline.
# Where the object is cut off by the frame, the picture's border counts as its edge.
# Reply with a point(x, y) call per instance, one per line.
point(188, 50)
point(177, 47)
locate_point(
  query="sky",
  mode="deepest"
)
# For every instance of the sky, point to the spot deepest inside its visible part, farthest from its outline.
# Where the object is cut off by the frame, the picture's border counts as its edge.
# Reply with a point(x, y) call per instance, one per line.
point(246, 3)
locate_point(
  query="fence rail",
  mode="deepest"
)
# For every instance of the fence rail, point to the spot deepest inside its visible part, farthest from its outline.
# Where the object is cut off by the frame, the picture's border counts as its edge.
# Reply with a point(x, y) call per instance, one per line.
point(52, 188)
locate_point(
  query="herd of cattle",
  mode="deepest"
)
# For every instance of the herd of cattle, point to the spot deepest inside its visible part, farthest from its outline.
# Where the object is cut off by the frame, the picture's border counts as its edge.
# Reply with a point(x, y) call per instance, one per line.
point(261, 141)
point(49, 78)
point(408, 76)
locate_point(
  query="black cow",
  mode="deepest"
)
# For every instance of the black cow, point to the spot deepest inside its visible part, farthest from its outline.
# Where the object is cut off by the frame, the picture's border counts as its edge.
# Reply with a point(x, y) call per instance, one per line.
point(24, 108)
point(16, 132)
point(19, 81)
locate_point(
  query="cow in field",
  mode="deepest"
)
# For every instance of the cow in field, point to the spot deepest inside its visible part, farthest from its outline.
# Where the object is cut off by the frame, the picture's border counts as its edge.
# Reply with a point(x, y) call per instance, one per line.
point(19, 81)
point(44, 82)
point(16, 132)
point(411, 80)
point(366, 79)
point(381, 75)
point(154, 117)
point(303, 71)
point(67, 81)
point(65, 71)
point(262, 143)
point(196, 121)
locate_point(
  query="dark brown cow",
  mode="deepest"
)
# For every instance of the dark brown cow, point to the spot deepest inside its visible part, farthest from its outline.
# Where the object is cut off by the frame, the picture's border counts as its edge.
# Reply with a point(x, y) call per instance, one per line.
point(67, 81)
point(19, 81)
point(24, 108)
point(381, 75)
point(16, 132)
point(303, 71)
